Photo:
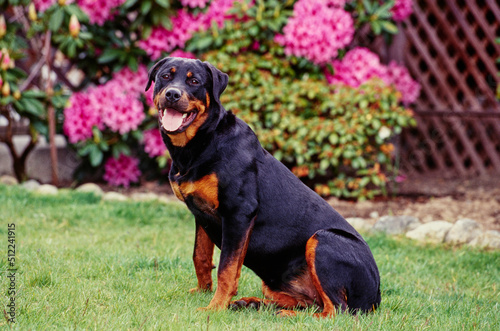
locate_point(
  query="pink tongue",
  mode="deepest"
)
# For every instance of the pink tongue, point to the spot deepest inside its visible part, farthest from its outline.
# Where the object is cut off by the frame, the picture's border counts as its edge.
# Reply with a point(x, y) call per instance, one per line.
point(171, 120)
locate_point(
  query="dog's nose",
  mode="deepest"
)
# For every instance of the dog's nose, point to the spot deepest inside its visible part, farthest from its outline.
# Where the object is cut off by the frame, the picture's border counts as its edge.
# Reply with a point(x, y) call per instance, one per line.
point(173, 94)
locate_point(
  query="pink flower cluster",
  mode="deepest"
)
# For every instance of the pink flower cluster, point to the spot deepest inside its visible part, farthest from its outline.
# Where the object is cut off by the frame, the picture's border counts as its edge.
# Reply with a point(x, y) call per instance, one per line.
point(360, 64)
point(185, 24)
point(115, 105)
point(357, 66)
point(401, 10)
point(99, 11)
point(43, 5)
point(153, 143)
point(400, 77)
point(80, 116)
point(122, 171)
point(194, 3)
point(317, 30)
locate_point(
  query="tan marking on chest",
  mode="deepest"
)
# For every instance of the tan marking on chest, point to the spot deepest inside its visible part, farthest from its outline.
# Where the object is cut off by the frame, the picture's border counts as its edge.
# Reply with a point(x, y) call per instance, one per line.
point(205, 192)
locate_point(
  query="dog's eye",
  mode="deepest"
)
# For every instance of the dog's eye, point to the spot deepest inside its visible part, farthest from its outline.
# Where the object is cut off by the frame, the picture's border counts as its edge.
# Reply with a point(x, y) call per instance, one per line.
point(166, 76)
point(194, 81)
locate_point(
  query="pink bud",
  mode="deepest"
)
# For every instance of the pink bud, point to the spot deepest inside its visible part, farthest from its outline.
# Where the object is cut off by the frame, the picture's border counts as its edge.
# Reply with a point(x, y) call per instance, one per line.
point(5, 60)
point(3, 26)
point(74, 26)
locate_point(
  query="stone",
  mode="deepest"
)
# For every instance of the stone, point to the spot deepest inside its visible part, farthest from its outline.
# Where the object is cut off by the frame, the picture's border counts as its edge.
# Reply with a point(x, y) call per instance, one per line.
point(149, 196)
point(90, 188)
point(463, 231)
point(47, 189)
point(360, 224)
point(114, 196)
point(30, 185)
point(396, 224)
point(8, 180)
point(374, 214)
point(487, 239)
point(433, 232)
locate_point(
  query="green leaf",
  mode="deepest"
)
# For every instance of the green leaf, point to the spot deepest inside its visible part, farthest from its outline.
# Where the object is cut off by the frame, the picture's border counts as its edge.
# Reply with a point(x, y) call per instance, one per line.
point(109, 55)
point(40, 127)
point(56, 19)
point(120, 148)
point(163, 3)
point(129, 3)
point(33, 94)
point(376, 27)
point(95, 156)
point(389, 27)
point(146, 7)
point(324, 164)
point(32, 106)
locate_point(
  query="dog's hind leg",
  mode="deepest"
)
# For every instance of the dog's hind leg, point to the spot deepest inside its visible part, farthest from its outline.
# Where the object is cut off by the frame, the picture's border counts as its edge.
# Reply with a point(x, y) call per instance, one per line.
point(343, 272)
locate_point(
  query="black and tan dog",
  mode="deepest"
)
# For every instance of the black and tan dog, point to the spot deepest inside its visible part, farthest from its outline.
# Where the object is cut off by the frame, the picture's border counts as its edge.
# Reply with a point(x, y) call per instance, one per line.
point(252, 207)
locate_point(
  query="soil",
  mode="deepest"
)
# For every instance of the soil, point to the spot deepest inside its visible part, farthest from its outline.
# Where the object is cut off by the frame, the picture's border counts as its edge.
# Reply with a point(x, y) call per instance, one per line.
point(428, 199)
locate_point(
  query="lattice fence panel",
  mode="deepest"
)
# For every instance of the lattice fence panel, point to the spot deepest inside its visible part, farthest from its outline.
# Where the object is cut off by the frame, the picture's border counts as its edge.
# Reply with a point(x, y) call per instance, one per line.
point(451, 146)
point(450, 49)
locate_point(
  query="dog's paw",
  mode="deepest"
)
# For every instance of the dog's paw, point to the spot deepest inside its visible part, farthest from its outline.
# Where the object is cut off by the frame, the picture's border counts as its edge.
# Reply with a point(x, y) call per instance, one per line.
point(249, 302)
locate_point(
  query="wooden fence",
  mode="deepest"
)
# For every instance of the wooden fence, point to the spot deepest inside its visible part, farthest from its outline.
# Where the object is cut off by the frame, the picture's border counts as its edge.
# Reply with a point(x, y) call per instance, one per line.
point(449, 47)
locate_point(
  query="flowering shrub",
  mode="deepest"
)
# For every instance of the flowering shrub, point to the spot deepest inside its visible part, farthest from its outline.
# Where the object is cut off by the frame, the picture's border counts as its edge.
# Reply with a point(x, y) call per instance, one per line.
point(326, 109)
point(317, 30)
point(360, 65)
point(122, 170)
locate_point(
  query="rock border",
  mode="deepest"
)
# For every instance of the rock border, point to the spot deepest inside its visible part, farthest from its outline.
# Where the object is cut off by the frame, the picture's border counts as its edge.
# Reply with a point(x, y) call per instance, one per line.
point(462, 232)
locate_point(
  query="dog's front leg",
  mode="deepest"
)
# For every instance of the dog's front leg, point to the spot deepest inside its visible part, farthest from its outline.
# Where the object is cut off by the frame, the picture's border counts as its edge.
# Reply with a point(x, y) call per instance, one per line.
point(234, 247)
point(202, 258)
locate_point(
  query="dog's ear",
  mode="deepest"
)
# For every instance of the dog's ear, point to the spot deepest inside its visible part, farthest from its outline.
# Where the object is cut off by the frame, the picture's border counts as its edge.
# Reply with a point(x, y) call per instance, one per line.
point(219, 82)
point(153, 70)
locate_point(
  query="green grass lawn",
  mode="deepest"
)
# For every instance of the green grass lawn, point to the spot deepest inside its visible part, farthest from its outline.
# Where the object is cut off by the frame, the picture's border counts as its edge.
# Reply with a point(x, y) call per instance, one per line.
point(87, 264)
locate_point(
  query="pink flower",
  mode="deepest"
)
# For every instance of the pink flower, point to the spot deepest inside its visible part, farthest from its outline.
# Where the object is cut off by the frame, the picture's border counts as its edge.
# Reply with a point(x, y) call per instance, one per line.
point(99, 11)
point(122, 171)
point(153, 143)
point(115, 105)
point(401, 10)
point(317, 30)
point(81, 116)
point(185, 24)
point(360, 64)
point(400, 77)
point(194, 3)
point(357, 66)
point(121, 110)
point(43, 5)
point(180, 53)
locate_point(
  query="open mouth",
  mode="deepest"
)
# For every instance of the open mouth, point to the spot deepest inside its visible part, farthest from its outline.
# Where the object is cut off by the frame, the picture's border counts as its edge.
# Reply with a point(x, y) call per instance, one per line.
point(175, 121)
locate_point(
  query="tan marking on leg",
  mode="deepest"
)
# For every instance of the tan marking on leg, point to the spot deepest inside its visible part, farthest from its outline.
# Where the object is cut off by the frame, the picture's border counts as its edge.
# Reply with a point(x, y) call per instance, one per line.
point(202, 258)
point(328, 307)
point(228, 277)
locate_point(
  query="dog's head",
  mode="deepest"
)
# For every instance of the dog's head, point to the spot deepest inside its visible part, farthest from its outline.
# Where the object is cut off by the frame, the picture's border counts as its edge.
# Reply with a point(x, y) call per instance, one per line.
point(186, 94)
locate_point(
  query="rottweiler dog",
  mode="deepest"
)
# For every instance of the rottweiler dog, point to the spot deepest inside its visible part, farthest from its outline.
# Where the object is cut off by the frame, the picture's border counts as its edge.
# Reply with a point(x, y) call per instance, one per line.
point(252, 207)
